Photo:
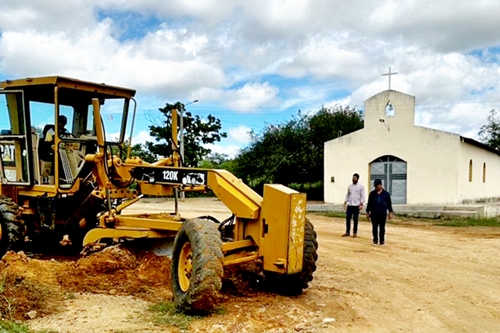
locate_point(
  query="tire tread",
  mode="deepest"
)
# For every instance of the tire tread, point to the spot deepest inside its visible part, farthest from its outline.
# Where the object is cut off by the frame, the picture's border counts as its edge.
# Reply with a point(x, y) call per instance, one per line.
point(11, 221)
point(207, 271)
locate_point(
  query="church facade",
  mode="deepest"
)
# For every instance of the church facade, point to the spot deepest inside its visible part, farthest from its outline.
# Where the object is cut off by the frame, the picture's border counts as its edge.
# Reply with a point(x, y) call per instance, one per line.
point(417, 165)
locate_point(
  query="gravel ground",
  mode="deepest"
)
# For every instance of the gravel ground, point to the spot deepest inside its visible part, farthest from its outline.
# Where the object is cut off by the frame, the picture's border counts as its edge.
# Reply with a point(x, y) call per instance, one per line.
point(427, 279)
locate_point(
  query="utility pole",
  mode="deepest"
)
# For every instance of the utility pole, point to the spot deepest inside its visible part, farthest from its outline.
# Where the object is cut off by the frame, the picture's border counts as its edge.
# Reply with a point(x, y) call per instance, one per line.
point(181, 135)
point(181, 129)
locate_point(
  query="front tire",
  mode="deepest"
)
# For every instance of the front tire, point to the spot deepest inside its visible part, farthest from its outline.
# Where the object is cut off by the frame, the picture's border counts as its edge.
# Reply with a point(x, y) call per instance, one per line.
point(292, 285)
point(197, 266)
point(11, 226)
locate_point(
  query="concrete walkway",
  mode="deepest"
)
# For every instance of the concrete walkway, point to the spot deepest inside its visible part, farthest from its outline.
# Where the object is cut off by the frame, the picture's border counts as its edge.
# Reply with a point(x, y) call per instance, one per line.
point(426, 211)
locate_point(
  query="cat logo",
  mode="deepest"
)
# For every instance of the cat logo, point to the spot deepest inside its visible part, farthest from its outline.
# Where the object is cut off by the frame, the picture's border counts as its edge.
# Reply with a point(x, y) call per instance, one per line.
point(7, 152)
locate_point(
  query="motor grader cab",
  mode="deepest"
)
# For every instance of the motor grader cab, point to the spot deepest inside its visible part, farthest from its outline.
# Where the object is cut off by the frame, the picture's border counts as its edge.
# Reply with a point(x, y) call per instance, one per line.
point(73, 181)
point(42, 165)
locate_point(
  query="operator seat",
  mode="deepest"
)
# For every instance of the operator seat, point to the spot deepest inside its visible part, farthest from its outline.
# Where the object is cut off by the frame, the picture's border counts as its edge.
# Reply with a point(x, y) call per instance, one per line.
point(45, 150)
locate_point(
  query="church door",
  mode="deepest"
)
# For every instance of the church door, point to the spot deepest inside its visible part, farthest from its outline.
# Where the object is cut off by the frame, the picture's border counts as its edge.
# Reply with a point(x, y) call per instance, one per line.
point(392, 171)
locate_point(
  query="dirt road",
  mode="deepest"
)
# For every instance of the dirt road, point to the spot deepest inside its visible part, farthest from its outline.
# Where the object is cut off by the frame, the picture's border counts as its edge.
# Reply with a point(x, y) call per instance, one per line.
point(427, 279)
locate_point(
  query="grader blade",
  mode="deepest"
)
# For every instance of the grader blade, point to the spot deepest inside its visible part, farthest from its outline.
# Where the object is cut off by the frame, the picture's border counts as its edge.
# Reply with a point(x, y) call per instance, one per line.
point(162, 247)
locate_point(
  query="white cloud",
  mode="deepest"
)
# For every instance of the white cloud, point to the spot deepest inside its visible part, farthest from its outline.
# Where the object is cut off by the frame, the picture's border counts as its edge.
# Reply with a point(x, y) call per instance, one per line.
point(237, 138)
point(112, 136)
point(230, 150)
point(340, 101)
point(246, 56)
point(434, 23)
point(54, 15)
point(239, 135)
point(34, 53)
point(165, 61)
point(326, 57)
point(251, 97)
point(142, 137)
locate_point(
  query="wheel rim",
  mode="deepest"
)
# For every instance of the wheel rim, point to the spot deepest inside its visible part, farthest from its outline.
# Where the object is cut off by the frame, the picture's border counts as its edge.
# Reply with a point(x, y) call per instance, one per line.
point(185, 266)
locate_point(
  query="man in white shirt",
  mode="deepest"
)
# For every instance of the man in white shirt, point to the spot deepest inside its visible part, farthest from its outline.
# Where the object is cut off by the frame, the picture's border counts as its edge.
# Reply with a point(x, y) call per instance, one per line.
point(353, 203)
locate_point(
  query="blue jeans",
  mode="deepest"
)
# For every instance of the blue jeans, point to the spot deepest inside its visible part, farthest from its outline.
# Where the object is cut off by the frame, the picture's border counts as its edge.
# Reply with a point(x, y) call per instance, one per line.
point(378, 228)
point(352, 211)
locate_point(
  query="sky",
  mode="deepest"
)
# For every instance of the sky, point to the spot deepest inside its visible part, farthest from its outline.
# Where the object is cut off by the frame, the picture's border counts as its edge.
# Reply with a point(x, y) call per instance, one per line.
point(252, 63)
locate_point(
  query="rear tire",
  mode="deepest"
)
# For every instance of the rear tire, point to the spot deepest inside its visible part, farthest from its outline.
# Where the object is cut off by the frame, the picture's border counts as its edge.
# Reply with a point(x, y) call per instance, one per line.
point(292, 285)
point(197, 266)
point(11, 226)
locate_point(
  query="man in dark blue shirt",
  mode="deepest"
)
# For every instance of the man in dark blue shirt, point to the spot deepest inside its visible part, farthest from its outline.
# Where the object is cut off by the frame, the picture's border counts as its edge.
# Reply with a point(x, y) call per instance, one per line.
point(379, 208)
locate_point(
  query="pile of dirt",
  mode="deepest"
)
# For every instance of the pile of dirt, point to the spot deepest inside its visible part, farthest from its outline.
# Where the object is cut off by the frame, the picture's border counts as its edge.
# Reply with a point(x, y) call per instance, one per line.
point(34, 287)
point(120, 270)
point(28, 288)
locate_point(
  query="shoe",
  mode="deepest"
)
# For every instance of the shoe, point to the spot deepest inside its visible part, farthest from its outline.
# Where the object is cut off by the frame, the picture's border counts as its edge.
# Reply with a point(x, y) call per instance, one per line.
point(354, 235)
point(382, 244)
point(375, 244)
point(345, 235)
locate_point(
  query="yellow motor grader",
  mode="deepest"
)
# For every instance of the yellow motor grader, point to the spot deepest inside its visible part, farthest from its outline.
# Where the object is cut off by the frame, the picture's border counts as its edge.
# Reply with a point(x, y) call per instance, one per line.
point(64, 179)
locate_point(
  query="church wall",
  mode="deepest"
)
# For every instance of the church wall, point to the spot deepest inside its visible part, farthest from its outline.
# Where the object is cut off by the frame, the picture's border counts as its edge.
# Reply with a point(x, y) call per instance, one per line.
point(474, 189)
point(431, 156)
point(375, 110)
point(343, 157)
point(433, 174)
point(437, 161)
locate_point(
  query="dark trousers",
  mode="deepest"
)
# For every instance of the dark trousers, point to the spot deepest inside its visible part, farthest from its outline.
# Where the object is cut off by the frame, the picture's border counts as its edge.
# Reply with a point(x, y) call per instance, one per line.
point(352, 211)
point(378, 228)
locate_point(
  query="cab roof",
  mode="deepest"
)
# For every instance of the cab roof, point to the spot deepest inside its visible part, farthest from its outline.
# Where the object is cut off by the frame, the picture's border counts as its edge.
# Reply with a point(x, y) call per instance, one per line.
point(42, 89)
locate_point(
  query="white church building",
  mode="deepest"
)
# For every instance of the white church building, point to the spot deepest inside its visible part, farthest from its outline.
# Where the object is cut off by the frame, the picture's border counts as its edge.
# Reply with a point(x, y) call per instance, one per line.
point(417, 165)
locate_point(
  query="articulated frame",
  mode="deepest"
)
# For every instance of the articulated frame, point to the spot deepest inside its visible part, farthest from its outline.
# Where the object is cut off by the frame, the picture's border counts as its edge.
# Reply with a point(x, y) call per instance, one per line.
point(272, 229)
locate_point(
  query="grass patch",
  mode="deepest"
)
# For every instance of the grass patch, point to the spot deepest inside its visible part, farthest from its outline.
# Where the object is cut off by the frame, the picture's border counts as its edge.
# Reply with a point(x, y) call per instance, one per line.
point(469, 222)
point(168, 314)
point(331, 214)
point(445, 222)
point(70, 296)
point(220, 311)
point(7, 326)
point(449, 222)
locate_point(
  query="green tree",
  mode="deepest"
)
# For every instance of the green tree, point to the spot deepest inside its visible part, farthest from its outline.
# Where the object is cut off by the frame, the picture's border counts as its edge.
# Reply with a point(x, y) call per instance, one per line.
point(328, 124)
point(197, 132)
point(141, 151)
point(138, 150)
point(490, 132)
point(279, 154)
point(218, 161)
point(292, 152)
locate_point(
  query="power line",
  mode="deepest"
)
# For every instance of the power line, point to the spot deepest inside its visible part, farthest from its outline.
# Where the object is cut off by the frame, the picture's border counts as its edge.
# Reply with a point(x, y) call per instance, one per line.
point(474, 107)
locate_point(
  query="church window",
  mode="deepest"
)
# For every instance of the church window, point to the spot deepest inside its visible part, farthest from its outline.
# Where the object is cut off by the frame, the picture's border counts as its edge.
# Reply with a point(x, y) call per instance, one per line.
point(484, 172)
point(470, 171)
point(389, 109)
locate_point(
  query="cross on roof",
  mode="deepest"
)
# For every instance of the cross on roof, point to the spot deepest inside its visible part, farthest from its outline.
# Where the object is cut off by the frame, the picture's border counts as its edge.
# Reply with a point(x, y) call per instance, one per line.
point(389, 75)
